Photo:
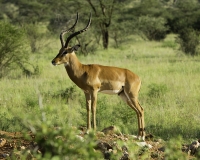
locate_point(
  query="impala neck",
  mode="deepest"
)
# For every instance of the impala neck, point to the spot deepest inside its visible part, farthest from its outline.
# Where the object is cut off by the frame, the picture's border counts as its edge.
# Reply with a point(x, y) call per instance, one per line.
point(74, 67)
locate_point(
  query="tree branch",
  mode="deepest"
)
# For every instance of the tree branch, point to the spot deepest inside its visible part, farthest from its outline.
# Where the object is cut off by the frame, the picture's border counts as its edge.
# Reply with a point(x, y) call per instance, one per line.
point(111, 12)
point(102, 8)
point(94, 9)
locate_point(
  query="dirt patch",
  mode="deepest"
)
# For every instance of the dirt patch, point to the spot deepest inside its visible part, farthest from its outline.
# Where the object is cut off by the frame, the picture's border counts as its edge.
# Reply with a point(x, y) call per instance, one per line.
point(15, 143)
point(12, 143)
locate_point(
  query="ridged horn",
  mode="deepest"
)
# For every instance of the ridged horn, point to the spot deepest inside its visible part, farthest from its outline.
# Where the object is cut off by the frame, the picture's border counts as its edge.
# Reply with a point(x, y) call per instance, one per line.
point(78, 32)
point(67, 30)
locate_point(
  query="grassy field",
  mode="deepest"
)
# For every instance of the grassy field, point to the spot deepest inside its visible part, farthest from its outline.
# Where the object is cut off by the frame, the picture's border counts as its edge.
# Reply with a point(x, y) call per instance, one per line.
point(169, 93)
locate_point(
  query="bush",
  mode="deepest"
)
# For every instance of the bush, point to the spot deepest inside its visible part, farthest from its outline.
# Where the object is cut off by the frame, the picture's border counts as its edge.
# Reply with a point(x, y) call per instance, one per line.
point(173, 149)
point(13, 50)
point(63, 143)
point(152, 28)
point(188, 39)
point(59, 143)
point(184, 14)
point(33, 36)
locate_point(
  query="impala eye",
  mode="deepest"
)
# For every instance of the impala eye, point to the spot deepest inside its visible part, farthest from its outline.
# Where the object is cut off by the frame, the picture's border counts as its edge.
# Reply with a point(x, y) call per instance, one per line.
point(65, 52)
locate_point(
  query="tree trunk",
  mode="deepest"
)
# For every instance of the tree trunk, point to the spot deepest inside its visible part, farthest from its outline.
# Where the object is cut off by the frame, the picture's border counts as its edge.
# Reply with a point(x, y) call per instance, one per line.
point(105, 36)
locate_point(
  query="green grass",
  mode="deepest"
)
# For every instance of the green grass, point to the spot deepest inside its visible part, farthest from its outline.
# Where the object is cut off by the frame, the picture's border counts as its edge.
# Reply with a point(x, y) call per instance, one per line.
point(169, 93)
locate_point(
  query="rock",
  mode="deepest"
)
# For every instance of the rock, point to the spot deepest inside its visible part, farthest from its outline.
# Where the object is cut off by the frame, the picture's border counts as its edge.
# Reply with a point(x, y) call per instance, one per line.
point(100, 134)
point(105, 148)
point(149, 136)
point(23, 147)
point(193, 147)
point(111, 130)
point(143, 144)
point(2, 142)
point(5, 155)
point(80, 138)
point(162, 149)
point(125, 153)
point(134, 136)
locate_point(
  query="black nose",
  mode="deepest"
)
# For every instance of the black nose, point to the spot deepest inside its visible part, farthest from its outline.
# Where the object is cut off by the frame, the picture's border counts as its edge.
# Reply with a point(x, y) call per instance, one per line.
point(53, 62)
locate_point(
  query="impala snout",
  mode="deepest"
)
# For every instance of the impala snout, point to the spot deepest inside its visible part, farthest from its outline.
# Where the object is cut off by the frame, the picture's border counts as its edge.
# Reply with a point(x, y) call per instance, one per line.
point(53, 62)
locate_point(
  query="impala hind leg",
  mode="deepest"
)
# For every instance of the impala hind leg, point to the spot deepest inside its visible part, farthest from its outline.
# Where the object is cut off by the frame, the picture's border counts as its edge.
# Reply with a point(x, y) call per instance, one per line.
point(134, 104)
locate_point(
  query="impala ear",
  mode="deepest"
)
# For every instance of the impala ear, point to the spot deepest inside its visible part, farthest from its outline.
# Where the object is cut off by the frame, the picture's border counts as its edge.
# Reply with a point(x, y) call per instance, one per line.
point(75, 48)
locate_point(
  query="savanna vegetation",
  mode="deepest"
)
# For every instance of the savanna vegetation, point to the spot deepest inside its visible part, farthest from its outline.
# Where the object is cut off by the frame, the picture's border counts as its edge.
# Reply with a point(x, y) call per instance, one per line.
point(156, 39)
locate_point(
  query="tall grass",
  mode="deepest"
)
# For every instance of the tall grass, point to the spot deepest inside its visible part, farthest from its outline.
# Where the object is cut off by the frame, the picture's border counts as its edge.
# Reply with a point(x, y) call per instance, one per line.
point(169, 93)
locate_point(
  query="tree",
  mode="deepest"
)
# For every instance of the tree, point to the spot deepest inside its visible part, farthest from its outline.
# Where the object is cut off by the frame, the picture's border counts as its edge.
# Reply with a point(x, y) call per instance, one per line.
point(12, 49)
point(24, 11)
point(186, 14)
point(150, 18)
point(152, 28)
point(189, 40)
point(104, 12)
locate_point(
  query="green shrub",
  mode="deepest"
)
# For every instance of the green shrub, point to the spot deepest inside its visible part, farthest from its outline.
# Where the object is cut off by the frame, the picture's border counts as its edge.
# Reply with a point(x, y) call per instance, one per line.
point(14, 53)
point(33, 36)
point(62, 143)
point(169, 44)
point(189, 41)
point(173, 149)
point(67, 94)
point(152, 28)
point(12, 48)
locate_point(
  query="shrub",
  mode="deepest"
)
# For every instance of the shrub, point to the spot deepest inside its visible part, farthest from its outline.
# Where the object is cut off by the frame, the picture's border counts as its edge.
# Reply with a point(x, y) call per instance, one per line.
point(59, 143)
point(33, 36)
point(169, 44)
point(152, 28)
point(188, 39)
point(14, 53)
point(173, 149)
point(12, 50)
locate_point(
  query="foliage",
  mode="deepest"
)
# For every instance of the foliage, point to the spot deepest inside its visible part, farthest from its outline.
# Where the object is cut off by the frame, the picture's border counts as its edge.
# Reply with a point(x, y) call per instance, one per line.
point(67, 94)
point(33, 36)
point(152, 8)
point(153, 28)
point(184, 14)
point(9, 11)
point(173, 149)
point(111, 20)
point(12, 49)
point(30, 11)
point(62, 17)
point(189, 40)
point(63, 142)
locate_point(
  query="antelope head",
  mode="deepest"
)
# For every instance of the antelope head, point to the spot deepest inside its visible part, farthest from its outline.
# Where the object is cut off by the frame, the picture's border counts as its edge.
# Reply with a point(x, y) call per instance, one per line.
point(65, 51)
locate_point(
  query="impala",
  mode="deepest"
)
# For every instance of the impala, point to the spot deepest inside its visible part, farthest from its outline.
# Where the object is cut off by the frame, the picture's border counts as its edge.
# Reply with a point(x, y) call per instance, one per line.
point(94, 78)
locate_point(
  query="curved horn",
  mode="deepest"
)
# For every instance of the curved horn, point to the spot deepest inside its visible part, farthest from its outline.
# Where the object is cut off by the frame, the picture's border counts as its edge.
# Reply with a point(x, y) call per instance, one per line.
point(66, 31)
point(78, 32)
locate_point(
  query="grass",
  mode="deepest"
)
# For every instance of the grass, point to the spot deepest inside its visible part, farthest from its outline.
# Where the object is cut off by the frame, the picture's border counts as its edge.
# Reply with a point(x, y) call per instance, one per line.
point(169, 93)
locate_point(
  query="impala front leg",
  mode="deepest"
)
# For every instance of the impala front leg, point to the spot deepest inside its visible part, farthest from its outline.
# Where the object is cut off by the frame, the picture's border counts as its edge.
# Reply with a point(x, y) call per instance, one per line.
point(93, 105)
point(88, 107)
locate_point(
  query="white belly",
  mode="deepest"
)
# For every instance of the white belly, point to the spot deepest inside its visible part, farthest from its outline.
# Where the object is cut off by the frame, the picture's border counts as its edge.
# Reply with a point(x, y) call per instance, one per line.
point(110, 91)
